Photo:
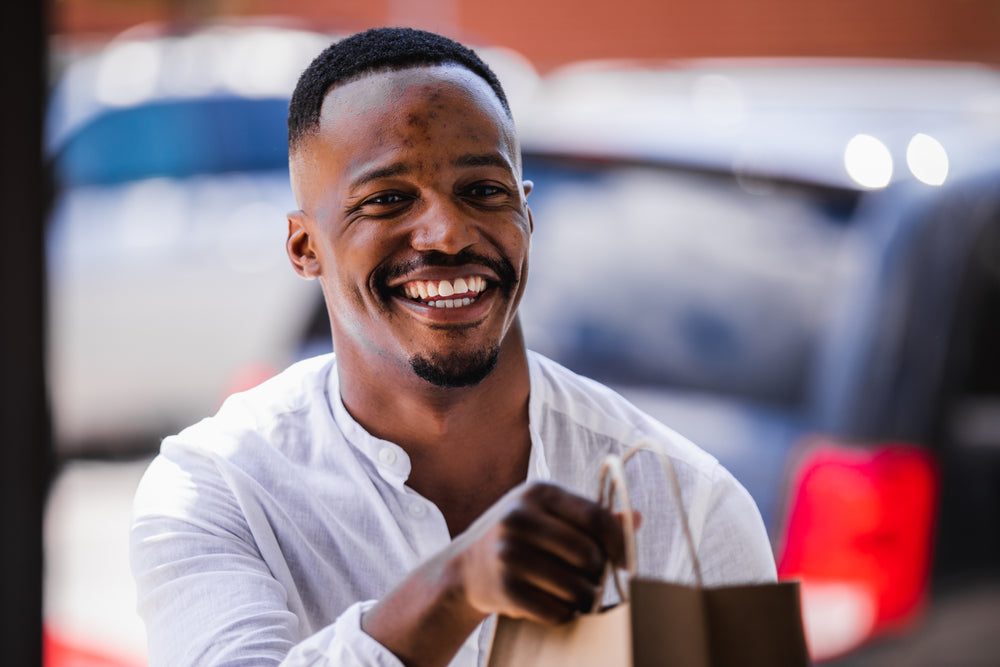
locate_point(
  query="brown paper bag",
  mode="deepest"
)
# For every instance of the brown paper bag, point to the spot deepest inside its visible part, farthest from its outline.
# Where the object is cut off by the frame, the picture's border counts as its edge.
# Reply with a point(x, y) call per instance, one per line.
point(664, 624)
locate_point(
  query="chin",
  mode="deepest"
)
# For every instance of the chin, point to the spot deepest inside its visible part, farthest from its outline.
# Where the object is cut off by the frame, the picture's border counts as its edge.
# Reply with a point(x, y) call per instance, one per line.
point(456, 369)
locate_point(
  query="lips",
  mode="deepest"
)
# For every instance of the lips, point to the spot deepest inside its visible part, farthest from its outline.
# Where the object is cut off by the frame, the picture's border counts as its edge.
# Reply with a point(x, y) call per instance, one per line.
point(456, 293)
point(446, 287)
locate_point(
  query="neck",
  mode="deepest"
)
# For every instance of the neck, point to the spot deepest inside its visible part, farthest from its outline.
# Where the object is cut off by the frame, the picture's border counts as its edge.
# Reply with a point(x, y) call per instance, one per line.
point(423, 413)
point(467, 446)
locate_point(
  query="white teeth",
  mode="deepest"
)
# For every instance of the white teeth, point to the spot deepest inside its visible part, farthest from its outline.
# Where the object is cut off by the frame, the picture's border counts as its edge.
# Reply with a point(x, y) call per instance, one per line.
point(428, 289)
point(451, 303)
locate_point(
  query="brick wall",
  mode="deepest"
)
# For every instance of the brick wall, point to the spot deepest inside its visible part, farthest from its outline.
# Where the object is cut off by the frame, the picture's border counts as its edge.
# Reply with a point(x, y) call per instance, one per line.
point(551, 32)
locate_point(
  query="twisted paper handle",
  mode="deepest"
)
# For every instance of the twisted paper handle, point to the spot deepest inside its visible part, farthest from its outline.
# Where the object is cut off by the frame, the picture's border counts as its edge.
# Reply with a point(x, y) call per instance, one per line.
point(612, 484)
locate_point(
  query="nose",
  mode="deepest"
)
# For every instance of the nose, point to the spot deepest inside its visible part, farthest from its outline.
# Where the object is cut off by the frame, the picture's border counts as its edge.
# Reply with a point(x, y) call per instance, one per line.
point(443, 227)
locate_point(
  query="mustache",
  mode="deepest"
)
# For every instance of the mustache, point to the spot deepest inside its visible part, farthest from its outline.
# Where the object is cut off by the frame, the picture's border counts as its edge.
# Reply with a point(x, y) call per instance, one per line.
point(434, 259)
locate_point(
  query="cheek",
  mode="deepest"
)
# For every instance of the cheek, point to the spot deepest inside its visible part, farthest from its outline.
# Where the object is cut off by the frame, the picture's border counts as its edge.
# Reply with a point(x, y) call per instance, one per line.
point(517, 242)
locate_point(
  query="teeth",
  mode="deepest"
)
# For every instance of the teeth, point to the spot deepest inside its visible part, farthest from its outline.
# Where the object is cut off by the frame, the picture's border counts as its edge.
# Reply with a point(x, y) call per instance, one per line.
point(451, 303)
point(429, 289)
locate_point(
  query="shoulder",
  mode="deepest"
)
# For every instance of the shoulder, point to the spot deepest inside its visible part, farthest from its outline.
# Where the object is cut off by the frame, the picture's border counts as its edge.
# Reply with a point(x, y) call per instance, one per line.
point(255, 434)
point(581, 421)
point(562, 399)
point(271, 411)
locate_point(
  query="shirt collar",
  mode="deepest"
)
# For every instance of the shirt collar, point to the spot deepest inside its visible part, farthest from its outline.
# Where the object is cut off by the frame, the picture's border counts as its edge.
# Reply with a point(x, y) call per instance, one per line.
point(538, 465)
point(392, 461)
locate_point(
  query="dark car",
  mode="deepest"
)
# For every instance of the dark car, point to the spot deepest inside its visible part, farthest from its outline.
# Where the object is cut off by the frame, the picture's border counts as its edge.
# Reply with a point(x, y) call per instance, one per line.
point(796, 264)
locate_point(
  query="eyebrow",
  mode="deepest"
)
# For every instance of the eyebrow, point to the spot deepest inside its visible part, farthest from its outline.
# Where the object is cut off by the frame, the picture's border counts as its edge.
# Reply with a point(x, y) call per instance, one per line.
point(401, 168)
point(394, 169)
point(481, 160)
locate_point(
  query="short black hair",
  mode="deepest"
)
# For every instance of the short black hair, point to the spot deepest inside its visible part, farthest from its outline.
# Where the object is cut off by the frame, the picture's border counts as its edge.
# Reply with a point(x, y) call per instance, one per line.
point(370, 51)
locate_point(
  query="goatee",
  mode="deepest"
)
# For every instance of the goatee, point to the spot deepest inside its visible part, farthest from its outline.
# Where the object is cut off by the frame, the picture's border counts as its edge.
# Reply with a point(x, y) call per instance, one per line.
point(457, 369)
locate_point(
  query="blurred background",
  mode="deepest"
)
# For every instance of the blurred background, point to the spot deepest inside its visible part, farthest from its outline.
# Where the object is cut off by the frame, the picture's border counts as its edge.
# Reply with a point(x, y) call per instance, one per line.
point(775, 225)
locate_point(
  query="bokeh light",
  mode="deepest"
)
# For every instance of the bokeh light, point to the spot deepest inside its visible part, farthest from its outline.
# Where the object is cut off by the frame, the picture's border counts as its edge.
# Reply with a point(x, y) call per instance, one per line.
point(868, 161)
point(927, 159)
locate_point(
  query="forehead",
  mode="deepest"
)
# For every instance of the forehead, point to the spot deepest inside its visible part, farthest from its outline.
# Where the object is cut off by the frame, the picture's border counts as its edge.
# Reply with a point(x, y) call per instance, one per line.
point(391, 86)
point(383, 95)
point(399, 117)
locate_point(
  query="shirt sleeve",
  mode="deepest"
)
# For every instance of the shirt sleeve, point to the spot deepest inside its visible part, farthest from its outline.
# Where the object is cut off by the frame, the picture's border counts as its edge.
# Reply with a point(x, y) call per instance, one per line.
point(734, 547)
point(205, 593)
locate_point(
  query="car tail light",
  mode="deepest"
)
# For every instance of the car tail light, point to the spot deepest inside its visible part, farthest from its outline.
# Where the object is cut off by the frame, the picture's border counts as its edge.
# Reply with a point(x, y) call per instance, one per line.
point(58, 651)
point(858, 536)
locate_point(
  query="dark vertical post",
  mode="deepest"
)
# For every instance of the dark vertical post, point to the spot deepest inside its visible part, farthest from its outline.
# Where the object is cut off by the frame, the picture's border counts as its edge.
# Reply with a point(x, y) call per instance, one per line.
point(24, 426)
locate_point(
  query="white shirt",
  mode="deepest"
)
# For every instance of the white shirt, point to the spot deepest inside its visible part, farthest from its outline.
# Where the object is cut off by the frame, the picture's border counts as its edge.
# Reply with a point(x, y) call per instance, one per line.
point(260, 535)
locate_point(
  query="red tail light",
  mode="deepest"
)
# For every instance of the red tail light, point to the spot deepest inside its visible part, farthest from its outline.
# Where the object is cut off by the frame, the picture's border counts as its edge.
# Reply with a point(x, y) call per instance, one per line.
point(57, 651)
point(859, 535)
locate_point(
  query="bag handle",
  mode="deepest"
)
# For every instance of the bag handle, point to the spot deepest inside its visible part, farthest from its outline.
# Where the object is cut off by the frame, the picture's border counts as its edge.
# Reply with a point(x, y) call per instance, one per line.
point(612, 483)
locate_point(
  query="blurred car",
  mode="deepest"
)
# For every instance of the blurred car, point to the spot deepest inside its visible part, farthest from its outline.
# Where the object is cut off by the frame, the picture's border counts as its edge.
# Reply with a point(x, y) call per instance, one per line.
point(794, 263)
point(168, 282)
point(797, 265)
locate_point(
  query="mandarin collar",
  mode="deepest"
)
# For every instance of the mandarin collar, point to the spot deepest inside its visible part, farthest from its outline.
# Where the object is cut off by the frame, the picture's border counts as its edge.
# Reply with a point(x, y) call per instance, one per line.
point(392, 461)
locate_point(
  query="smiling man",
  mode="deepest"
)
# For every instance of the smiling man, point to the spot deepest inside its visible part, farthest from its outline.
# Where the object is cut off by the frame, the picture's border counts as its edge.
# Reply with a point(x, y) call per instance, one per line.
point(379, 505)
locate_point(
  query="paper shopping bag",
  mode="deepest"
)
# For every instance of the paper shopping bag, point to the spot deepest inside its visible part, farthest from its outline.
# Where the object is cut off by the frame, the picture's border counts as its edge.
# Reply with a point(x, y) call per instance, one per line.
point(757, 625)
point(591, 640)
point(663, 624)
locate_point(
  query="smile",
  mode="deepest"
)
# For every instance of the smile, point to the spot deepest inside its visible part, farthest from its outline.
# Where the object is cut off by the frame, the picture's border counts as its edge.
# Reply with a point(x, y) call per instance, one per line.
point(456, 293)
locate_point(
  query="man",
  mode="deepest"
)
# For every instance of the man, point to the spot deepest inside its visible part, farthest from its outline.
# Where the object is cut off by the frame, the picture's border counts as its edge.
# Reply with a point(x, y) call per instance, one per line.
point(380, 506)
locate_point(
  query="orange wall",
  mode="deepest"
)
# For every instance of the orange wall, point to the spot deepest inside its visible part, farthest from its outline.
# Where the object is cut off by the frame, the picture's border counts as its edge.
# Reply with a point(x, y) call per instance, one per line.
point(551, 32)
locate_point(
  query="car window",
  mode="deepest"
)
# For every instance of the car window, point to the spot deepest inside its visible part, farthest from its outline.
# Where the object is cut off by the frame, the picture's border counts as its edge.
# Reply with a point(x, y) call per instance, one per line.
point(652, 276)
point(177, 138)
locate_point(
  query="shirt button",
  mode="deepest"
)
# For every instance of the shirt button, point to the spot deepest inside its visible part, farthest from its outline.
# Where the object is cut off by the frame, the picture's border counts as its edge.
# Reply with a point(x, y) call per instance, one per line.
point(387, 456)
point(417, 510)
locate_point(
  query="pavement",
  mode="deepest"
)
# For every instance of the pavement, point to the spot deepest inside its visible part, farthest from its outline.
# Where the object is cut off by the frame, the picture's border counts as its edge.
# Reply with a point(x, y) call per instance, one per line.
point(89, 596)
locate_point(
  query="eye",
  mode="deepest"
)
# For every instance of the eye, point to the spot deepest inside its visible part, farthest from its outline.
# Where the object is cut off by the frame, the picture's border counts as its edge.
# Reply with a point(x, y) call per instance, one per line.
point(486, 192)
point(385, 199)
point(382, 204)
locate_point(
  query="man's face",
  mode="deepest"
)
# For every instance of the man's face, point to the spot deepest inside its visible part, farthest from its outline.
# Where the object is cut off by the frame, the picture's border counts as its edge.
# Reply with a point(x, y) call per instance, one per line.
point(413, 217)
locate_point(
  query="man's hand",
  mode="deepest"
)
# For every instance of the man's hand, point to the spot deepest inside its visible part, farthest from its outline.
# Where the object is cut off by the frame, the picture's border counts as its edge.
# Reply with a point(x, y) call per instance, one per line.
point(542, 558)
point(538, 553)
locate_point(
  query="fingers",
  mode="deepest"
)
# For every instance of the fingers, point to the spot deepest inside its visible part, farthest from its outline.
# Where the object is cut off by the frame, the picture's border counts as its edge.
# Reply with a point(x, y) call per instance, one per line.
point(552, 547)
point(539, 553)
point(555, 537)
point(543, 587)
point(589, 519)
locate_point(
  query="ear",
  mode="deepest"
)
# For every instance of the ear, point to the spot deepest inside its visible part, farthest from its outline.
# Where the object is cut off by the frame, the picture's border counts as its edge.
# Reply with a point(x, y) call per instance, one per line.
point(528, 187)
point(300, 246)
